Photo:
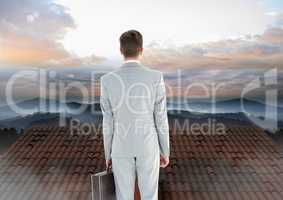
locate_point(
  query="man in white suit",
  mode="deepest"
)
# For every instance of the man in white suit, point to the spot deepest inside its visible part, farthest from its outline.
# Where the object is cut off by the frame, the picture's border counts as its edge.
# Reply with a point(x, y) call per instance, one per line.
point(135, 124)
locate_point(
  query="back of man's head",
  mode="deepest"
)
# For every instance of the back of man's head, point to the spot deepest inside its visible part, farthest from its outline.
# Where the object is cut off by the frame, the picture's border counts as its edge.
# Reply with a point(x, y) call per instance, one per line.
point(131, 43)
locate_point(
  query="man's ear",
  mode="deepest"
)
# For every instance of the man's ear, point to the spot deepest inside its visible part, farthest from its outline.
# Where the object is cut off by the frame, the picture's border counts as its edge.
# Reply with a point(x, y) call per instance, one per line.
point(121, 50)
point(141, 51)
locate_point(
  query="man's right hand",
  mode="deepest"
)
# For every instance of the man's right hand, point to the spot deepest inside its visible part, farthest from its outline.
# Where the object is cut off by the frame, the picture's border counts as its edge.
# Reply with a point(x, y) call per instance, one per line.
point(108, 164)
point(164, 161)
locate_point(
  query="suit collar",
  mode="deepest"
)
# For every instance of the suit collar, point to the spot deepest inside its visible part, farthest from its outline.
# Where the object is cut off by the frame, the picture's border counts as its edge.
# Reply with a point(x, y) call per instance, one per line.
point(132, 60)
point(132, 64)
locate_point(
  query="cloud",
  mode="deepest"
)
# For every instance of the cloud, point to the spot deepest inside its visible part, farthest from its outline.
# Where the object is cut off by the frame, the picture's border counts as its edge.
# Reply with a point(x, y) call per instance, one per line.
point(168, 59)
point(31, 32)
point(251, 51)
point(272, 36)
point(272, 14)
point(40, 19)
point(76, 61)
point(234, 63)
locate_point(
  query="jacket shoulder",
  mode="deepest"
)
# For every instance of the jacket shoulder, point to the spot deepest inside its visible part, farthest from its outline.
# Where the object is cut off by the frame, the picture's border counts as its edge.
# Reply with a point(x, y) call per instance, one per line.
point(107, 76)
point(156, 74)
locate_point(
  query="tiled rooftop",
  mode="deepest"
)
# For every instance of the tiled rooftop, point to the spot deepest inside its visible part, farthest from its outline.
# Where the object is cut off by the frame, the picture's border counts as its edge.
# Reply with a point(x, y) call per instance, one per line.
point(51, 163)
point(7, 138)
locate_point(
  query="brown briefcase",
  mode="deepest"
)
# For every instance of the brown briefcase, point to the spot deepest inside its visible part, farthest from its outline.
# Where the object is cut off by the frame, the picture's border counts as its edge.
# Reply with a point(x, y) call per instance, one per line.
point(103, 186)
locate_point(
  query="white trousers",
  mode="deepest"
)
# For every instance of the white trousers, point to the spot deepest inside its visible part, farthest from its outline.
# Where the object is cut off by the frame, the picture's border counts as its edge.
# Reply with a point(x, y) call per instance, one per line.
point(147, 171)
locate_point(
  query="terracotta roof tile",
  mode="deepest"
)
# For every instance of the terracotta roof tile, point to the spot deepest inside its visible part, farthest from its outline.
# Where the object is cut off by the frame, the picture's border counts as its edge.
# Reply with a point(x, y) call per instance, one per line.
point(49, 163)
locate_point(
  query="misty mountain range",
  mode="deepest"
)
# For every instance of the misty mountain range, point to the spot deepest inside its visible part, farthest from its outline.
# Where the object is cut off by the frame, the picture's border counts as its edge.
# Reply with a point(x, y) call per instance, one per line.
point(227, 111)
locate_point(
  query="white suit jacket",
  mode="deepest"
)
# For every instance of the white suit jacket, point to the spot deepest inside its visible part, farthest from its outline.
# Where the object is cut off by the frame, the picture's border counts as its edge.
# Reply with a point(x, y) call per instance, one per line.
point(133, 102)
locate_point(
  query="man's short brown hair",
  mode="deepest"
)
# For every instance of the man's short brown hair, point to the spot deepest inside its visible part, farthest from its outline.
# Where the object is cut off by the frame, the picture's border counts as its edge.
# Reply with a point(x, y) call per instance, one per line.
point(131, 43)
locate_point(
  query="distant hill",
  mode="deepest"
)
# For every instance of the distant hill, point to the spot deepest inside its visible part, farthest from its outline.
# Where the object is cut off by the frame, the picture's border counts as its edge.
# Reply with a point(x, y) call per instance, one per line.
point(50, 106)
point(45, 117)
point(26, 121)
point(236, 105)
point(253, 107)
point(29, 106)
point(230, 119)
point(227, 112)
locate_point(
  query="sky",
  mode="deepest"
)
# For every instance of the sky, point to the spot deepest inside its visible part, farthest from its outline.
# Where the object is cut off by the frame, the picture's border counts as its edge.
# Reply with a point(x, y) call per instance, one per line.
point(74, 33)
point(178, 22)
point(219, 40)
